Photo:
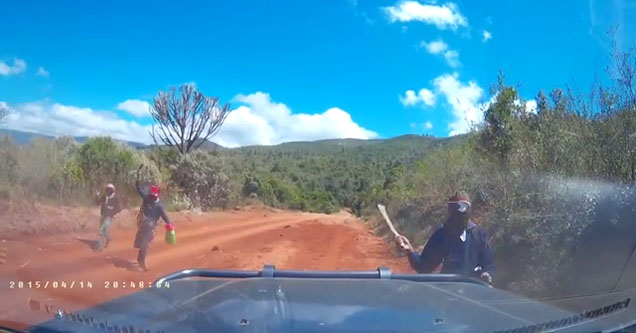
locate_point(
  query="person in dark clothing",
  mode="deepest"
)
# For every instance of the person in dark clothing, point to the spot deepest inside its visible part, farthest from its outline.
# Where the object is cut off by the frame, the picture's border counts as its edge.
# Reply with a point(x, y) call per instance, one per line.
point(459, 245)
point(110, 207)
point(150, 212)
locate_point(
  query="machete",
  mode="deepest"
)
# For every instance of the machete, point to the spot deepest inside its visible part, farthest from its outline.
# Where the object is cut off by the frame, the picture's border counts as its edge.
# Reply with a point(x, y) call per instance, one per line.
point(388, 220)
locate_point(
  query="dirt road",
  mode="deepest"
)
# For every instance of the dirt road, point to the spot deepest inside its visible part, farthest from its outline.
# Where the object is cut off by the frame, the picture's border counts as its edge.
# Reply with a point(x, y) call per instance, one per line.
point(241, 239)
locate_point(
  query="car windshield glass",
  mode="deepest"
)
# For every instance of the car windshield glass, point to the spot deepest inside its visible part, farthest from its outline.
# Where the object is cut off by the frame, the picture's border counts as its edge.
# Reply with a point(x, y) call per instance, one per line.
point(343, 162)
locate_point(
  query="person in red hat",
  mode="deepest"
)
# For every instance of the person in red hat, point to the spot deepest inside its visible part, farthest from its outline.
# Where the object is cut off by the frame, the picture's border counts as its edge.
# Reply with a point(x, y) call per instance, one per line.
point(149, 214)
point(109, 208)
point(459, 245)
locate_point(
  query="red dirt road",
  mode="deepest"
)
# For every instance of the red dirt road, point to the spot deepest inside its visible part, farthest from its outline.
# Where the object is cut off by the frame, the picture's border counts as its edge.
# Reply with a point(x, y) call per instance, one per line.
point(243, 239)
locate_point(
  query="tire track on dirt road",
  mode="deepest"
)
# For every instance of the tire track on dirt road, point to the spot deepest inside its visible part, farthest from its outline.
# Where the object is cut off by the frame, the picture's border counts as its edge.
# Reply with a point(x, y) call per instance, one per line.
point(47, 262)
point(169, 256)
point(98, 272)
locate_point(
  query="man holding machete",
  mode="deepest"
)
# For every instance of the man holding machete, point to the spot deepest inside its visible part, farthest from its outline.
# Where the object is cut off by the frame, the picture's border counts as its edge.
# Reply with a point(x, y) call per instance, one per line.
point(459, 245)
point(149, 214)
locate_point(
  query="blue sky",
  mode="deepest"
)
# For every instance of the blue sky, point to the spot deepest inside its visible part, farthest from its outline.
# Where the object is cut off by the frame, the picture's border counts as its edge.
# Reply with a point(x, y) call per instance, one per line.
point(294, 70)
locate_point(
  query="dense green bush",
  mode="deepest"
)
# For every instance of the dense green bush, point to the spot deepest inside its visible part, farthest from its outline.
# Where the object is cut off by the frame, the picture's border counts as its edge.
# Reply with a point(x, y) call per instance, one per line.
point(8, 162)
point(41, 164)
point(198, 176)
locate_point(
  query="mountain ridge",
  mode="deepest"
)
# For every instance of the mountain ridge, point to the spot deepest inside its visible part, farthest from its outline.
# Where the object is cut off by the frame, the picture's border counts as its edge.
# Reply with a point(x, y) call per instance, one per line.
point(25, 137)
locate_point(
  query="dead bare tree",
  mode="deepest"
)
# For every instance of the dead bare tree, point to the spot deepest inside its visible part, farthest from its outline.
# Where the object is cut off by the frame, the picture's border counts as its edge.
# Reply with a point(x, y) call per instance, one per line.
point(186, 118)
point(622, 70)
point(4, 110)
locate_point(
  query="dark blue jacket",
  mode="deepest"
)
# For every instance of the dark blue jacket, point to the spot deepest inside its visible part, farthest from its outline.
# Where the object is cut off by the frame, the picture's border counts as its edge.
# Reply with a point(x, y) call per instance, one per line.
point(454, 253)
point(151, 210)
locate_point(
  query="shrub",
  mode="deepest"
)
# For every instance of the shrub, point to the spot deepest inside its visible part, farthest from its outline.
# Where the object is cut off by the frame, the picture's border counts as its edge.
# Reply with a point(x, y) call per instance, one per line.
point(8, 162)
point(198, 176)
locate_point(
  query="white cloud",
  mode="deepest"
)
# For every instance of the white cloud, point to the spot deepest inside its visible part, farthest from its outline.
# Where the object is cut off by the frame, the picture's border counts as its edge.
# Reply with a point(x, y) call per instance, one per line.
point(438, 47)
point(445, 16)
point(464, 100)
point(264, 122)
point(135, 107)
point(58, 119)
point(424, 96)
point(435, 47)
point(18, 67)
point(486, 36)
point(452, 58)
point(258, 121)
point(421, 127)
point(43, 72)
point(531, 106)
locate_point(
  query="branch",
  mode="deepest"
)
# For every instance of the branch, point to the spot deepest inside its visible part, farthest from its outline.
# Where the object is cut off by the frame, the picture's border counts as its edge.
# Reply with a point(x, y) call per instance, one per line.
point(218, 118)
point(187, 120)
point(162, 113)
point(4, 111)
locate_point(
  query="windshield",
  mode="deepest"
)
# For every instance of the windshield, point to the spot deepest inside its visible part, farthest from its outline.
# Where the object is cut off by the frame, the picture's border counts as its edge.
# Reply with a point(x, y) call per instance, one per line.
point(490, 146)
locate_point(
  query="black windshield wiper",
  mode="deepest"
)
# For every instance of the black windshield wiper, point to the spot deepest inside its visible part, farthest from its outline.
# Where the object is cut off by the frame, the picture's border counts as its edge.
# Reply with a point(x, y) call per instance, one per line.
point(271, 272)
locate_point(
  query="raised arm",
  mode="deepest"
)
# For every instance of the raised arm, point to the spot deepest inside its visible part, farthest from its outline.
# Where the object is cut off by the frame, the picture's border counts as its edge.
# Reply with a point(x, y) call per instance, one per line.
point(142, 191)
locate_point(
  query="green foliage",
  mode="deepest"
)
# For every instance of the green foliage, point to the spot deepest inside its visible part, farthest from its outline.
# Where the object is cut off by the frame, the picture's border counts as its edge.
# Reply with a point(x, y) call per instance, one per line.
point(198, 176)
point(497, 136)
point(8, 162)
point(250, 186)
point(42, 166)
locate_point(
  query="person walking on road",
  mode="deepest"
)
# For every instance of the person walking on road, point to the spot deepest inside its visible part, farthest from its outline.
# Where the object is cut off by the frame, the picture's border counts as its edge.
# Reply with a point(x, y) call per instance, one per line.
point(110, 207)
point(459, 245)
point(150, 212)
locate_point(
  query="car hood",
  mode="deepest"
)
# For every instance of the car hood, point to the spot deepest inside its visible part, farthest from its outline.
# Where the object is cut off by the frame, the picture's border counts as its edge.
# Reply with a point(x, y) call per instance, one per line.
point(311, 305)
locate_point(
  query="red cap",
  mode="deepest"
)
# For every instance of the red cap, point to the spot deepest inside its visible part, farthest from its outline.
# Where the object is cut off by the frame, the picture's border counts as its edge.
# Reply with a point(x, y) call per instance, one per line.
point(459, 196)
point(154, 190)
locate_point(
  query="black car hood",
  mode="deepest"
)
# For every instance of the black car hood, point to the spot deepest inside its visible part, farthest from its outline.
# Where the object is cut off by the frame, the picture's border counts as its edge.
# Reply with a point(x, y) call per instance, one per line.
point(269, 304)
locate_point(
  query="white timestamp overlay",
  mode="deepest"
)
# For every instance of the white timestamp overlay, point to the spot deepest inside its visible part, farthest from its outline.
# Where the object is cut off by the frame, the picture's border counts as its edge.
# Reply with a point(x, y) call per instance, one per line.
point(80, 284)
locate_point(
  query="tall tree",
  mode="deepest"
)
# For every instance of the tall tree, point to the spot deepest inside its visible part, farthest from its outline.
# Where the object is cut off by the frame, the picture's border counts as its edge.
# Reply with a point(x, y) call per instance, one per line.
point(4, 110)
point(185, 118)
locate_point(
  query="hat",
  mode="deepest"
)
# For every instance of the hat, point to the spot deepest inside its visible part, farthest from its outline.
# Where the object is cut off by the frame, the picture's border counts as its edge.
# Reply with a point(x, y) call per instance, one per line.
point(461, 199)
point(111, 186)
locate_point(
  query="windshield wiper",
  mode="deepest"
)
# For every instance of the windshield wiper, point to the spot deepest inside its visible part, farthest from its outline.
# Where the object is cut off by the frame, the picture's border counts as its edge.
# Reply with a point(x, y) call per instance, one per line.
point(269, 271)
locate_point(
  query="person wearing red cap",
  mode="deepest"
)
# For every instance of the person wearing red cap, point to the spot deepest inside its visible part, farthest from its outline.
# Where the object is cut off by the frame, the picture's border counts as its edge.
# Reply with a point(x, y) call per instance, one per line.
point(459, 245)
point(149, 214)
point(110, 207)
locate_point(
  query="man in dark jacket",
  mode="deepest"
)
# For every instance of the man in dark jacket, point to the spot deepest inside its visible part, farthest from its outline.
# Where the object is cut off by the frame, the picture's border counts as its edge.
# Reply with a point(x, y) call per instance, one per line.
point(149, 214)
point(459, 245)
point(110, 208)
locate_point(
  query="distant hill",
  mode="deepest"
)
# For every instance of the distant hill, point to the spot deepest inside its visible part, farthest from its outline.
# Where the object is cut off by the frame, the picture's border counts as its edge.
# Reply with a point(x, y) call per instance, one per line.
point(207, 145)
point(404, 144)
point(24, 138)
point(339, 144)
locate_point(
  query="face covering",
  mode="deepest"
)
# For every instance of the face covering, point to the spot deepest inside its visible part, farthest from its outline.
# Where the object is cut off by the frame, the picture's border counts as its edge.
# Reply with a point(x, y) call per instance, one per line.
point(457, 221)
